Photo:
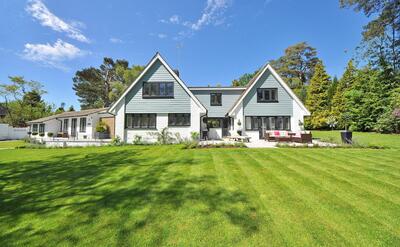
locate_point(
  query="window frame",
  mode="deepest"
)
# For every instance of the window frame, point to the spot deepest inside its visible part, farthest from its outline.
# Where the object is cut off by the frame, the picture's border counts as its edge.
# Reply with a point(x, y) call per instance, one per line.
point(269, 90)
point(147, 95)
point(80, 125)
point(211, 99)
point(65, 126)
point(272, 124)
point(35, 128)
point(42, 128)
point(139, 117)
point(183, 121)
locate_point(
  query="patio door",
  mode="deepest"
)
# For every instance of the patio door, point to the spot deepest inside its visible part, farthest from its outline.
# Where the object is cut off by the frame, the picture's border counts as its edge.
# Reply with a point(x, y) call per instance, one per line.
point(73, 127)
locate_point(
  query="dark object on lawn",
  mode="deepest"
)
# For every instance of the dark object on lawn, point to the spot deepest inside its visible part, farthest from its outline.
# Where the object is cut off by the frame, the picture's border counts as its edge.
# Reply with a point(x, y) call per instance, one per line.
point(347, 137)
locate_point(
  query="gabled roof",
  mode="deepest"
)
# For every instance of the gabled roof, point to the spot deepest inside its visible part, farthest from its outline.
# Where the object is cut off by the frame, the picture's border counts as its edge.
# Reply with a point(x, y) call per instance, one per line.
point(68, 114)
point(254, 81)
point(158, 57)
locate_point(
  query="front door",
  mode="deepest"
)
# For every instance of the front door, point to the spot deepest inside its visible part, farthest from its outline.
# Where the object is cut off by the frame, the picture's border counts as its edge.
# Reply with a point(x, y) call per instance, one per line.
point(262, 126)
point(73, 127)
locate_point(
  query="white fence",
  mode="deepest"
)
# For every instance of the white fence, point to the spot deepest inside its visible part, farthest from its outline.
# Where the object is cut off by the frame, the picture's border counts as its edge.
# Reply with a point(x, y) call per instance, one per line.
point(10, 133)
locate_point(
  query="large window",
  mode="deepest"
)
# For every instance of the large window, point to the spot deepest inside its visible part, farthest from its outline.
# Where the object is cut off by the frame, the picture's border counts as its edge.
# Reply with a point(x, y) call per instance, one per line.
point(267, 95)
point(140, 121)
point(65, 126)
point(34, 128)
point(158, 90)
point(41, 128)
point(82, 125)
point(215, 99)
point(268, 123)
point(179, 119)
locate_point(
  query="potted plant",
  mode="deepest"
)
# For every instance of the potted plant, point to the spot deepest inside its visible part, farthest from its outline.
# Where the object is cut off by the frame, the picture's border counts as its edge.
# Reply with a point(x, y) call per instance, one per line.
point(41, 134)
point(34, 133)
point(50, 134)
point(102, 130)
point(239, 127)
point(346, 135)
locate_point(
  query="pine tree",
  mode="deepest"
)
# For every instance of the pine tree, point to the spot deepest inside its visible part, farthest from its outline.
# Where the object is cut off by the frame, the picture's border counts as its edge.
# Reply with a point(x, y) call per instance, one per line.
point(338, 100)
point(317, 98)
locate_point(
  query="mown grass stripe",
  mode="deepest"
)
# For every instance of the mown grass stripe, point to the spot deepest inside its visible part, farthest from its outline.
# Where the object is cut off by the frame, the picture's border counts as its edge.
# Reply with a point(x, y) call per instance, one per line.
point(389, 207)
point(340, 206)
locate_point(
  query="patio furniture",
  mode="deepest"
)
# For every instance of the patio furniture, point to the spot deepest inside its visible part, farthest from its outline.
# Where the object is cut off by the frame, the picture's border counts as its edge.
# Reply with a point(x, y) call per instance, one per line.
point(62, 134)
point(239, 138)
point(303, 138)
point(285, 136)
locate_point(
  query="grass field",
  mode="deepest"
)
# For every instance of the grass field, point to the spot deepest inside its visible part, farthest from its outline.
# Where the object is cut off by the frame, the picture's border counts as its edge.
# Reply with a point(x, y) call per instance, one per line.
point(362, 138)
point(11, 144)
point(166, 195)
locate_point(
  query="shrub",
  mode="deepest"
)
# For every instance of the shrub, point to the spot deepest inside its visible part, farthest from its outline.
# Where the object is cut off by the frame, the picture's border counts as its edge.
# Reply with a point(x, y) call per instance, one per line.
point(137, 140)
point(101, 127)
point(116, 141)
point(50, 134)
point(41, 134)
point(34, 133)
point(164, 136)
point(195, 135)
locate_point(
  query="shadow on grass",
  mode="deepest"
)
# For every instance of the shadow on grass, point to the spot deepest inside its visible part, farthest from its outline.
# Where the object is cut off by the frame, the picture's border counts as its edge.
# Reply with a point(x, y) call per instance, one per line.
point(121, 182)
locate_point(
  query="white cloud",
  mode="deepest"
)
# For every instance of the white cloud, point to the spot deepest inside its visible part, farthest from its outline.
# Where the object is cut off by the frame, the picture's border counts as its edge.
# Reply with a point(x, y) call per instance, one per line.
point(212, 14)
point(52, 55)
point(116, 40)
point(162, 36)
point(40, 12)
point(174, 19)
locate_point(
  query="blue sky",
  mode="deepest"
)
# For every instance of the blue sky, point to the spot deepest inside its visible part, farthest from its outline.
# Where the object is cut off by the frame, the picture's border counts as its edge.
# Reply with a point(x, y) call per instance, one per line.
point(209, 41)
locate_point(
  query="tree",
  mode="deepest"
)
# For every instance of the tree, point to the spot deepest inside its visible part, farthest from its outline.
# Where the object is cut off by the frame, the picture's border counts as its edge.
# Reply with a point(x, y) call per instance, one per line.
point(381, 39)
point(244, 79)
point(317, 99)
point(338, 100)
point(297, 65)
point(22, 100)
point(71, 108)
point(60, 109)
point(99, 87)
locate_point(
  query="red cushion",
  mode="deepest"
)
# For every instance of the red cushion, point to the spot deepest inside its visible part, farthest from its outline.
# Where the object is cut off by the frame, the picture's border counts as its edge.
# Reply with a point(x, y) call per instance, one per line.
point(276, 133)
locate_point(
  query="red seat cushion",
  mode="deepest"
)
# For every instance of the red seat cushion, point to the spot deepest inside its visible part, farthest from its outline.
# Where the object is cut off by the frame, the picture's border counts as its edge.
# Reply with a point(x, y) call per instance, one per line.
point(276, 133)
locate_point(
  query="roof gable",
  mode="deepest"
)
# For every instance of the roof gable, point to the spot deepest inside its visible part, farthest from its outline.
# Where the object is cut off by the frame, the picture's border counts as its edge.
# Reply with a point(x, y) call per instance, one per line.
point(145, 74)
point(254, 81)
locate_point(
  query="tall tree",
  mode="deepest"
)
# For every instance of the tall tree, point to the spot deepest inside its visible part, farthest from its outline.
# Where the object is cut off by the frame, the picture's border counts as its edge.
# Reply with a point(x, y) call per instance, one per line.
point(317, 98)
point(339, 101)
point(22, 100)
point(98, 87)
point(243, 80)
point(381, 39)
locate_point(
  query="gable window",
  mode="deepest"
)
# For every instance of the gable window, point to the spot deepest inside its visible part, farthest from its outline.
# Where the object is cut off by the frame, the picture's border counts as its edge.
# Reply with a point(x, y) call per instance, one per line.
point(140, 121)
point(267, 95)
point(179, 119)
point(158, 90)
point(34, 128)
point(82, 125)
point(41, 128)
point(216, 99)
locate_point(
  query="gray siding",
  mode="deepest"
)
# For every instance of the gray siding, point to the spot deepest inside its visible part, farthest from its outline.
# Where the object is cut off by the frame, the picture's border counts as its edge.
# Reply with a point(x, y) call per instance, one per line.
point(283, 108)
point(157, 73)
point(228, 99)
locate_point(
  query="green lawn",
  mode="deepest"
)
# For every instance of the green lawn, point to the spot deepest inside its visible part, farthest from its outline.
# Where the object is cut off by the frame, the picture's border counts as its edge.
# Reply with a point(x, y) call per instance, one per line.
point(362, 138)
point(166, 195)
point(11, 144)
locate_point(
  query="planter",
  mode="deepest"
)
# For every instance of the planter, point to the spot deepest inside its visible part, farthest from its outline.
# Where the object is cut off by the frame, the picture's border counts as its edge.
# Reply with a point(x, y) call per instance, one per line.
point(103, 135)
point(347, 137)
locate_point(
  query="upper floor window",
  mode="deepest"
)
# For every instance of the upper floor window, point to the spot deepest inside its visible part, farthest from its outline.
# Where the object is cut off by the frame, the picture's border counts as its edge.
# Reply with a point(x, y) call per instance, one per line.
point(82, 125)
point(158, 90)
point(216, 99)
point(265, 95)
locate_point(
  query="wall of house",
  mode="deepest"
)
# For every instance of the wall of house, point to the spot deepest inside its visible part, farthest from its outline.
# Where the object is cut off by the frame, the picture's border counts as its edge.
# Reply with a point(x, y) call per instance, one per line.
point(134, 102)
point(283, 108)
point(51, 126)
point(229, 97)
point(161, 123)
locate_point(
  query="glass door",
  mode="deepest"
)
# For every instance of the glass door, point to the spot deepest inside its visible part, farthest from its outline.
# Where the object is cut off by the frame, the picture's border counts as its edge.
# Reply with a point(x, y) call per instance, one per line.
point(73, 127)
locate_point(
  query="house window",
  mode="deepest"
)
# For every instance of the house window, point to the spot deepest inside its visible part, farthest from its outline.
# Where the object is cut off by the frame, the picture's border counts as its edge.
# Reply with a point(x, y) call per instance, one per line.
point(158, 90)
point(41, 128)
point(216, 99)
point(179, 119)
point(82, 125)
point(268, 123)
point(34, 128)
point(267, 95)
point(65, 126)
point(140, 121)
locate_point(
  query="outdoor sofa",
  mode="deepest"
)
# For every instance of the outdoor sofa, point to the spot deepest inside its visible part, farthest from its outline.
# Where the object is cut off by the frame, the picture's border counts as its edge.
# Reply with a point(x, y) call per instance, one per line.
point(287, 136)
